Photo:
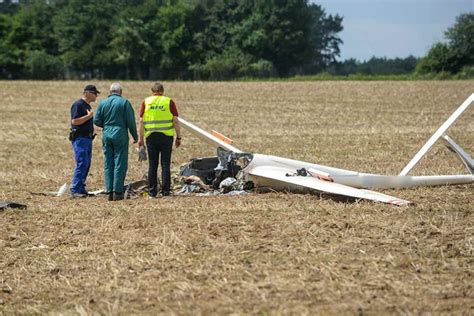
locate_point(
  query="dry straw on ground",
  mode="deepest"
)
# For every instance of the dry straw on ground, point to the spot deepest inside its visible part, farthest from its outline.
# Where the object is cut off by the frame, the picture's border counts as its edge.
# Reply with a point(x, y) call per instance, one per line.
point(270, 253)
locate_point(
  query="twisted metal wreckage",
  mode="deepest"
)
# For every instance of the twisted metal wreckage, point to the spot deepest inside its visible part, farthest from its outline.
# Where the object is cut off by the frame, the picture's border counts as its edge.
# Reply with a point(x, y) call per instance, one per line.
point(282, 174)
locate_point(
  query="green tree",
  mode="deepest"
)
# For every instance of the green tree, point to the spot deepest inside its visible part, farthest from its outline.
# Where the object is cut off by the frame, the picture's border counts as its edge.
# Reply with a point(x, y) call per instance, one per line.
point(28, 30)
point(437, 60)
point(139, 39)
point(347, 67)
point(461, 42)
point(255, 37)
point(34, 27)
point(8, 7)
point(324, 39)
point(232, 41)
point(10, 54)
point(41, 65)
point(174, 41)
point(83, 29)
point(375, 66)
point(288, 30)
point(457, 53)
point(130, 47)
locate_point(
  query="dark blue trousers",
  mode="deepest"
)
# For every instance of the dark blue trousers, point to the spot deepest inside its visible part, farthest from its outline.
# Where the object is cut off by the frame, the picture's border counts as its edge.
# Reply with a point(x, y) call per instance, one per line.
point(83, 155)
point(158, 143)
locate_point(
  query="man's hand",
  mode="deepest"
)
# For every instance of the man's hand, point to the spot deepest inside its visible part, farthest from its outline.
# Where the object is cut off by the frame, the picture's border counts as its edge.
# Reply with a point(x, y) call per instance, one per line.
point(140, 143)
point(178, 142)
point(142, 154)
point(81, 120)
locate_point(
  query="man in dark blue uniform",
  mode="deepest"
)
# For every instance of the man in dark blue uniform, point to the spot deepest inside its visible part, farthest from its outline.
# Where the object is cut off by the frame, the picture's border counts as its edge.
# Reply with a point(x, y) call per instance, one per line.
point(82, 134)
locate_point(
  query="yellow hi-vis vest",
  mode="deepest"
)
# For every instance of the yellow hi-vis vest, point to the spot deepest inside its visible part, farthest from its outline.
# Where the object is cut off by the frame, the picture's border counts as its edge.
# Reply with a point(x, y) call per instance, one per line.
point(157, 116)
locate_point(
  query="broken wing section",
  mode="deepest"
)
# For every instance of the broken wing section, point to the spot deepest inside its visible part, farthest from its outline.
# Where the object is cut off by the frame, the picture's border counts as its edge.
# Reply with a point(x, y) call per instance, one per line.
point(464, 156)
point(276, 178)
point(439, 133)
point(207, 137)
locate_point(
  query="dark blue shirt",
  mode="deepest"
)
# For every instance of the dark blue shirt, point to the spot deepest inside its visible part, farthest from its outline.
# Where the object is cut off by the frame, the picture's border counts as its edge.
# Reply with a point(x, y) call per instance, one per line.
point(79, 109)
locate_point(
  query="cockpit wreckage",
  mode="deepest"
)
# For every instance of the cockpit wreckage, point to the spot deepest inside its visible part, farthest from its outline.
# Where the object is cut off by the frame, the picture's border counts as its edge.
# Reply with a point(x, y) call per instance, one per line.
point(282, 174)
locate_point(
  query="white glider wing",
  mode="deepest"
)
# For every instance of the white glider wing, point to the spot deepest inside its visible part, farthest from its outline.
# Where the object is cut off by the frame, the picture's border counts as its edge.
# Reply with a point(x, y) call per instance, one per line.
point(277, 177)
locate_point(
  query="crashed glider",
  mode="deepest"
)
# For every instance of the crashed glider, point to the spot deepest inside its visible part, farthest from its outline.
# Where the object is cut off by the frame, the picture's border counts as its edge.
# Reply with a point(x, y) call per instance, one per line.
point(282, 174)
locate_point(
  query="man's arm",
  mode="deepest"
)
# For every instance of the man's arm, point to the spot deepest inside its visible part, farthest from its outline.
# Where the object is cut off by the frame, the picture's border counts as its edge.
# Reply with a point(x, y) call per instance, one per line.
point(141, 140)
point(132, 126)
point(98, 121)
point(81, 120)
point(177, 128)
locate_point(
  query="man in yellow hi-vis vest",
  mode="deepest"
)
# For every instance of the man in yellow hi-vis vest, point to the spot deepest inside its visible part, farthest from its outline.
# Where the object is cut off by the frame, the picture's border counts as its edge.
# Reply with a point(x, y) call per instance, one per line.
point(158, 125)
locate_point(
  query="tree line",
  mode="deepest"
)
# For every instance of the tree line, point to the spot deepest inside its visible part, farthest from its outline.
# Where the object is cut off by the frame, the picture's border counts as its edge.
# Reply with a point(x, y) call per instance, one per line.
point(456, 55)
point(192, 40)
point(140, 39)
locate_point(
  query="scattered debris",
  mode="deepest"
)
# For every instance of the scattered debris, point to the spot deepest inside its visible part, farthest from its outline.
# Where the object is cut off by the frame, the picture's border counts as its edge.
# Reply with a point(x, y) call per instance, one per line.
point(62, 190)
point(203, 168)
point(227, 185)
point(136, 188)
point(39, 247)
point(11, 204)
point(7, 288)
point(193, 184)
point(237, 192)
point(211, 176)
point(96, 192)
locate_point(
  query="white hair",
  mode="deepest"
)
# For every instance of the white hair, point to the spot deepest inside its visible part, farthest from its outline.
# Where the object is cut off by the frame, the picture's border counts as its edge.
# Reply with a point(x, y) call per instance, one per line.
point(116, 87)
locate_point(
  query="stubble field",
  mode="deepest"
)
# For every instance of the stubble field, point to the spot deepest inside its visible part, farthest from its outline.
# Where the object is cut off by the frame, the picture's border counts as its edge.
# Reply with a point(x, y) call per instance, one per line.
point(274, 253)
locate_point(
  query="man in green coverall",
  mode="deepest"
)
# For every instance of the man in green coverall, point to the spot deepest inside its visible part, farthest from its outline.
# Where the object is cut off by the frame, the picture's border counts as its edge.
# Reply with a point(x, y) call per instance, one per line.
point(116, 116)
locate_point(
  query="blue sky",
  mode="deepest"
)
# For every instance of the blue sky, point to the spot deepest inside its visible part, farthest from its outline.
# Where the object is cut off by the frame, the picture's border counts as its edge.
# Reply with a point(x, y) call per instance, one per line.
point(393, 28)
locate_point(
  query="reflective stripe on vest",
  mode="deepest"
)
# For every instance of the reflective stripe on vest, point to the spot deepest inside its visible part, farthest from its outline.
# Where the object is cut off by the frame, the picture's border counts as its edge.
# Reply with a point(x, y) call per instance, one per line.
point(157, 116)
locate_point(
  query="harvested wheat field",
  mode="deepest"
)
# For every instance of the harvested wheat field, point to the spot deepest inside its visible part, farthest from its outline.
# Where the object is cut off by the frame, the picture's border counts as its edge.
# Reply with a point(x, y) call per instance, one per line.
point(273, 253)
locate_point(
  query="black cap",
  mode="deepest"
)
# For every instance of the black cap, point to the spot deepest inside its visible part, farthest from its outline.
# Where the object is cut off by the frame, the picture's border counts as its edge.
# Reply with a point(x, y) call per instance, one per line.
point(91, 88)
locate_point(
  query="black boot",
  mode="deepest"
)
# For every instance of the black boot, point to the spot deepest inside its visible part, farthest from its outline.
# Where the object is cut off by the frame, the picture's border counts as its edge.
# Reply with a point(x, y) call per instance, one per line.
point(111, 196)
point(118, 196)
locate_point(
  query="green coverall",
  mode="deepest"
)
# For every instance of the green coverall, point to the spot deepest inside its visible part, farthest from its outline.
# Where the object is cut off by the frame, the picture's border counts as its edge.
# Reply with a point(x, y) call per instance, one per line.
point(116, 116)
